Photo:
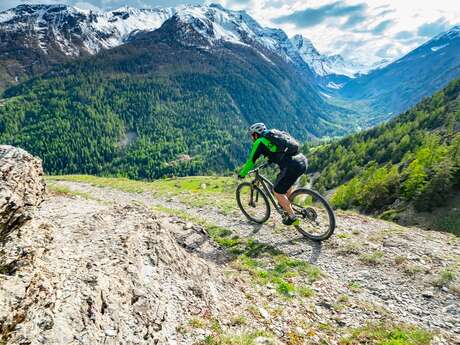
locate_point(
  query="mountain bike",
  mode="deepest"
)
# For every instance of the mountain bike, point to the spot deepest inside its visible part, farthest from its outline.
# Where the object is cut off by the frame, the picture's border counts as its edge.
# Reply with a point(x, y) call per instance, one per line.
point(317, 220)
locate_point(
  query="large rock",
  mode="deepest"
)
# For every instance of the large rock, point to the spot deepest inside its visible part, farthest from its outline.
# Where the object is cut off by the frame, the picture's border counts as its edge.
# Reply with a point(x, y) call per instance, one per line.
point(22, 188)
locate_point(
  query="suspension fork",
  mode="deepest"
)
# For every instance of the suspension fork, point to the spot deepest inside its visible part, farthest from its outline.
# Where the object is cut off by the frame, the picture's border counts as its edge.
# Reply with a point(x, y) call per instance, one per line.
point(253, 202)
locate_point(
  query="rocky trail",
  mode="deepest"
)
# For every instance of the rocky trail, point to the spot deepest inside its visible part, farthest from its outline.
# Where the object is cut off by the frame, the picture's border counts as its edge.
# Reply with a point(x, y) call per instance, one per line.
point(101, 265)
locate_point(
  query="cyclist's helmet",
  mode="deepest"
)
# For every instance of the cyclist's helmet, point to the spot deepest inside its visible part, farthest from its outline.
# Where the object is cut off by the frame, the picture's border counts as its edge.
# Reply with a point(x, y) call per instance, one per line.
point(258, 128)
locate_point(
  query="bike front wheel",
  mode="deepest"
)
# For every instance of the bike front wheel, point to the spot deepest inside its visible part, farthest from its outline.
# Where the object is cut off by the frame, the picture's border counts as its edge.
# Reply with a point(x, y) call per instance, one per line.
point(253, 202)
point(317, 220)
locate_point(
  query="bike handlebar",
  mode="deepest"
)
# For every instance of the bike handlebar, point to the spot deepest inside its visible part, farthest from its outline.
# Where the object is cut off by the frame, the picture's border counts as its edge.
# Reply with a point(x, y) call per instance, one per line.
point(259, 167)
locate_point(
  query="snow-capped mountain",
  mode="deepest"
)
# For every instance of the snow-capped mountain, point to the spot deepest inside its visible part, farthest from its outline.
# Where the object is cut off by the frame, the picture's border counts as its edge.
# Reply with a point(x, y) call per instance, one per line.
point(58, 33)
point(34, 38)
point(47, 35)
point(325, 65)
point(73, 31)
point(216, 24)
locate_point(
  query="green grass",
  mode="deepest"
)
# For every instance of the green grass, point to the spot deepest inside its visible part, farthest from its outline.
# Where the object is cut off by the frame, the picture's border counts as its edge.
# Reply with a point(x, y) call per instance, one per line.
point(195, 191)
point(196, 322)
point(354, 286)
point(343, 298)
point(238, 320)
point(450, 221)
point(277, 270)
point(412, 269)
point(238, 339)
point(283, 287)
point(400, 259)
point(285, 273)
point(305, 291)
point(343, 235)
point(264, 263)
point(445, 277)
point(350, 248)
point(374, 258)
point(221, 337)
point(63, 190)
point(387, 334)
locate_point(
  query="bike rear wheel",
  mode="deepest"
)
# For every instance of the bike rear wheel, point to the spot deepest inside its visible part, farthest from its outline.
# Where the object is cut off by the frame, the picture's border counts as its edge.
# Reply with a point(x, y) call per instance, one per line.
point(253, 202)
point(317, 220)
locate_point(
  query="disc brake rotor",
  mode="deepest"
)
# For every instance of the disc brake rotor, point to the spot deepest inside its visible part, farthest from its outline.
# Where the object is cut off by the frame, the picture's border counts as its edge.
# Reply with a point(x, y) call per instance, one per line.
point(309, 213)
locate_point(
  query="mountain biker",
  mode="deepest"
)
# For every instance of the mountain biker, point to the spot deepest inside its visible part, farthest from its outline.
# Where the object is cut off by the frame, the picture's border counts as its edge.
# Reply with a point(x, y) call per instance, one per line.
point(291, 168)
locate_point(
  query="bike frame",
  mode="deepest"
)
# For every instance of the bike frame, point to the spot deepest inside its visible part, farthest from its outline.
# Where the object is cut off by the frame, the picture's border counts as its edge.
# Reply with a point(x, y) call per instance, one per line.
point(267, 187)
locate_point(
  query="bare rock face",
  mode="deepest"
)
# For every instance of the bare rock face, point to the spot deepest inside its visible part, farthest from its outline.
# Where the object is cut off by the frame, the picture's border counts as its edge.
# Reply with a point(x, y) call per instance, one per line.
point(105, 274)
point(22, 188)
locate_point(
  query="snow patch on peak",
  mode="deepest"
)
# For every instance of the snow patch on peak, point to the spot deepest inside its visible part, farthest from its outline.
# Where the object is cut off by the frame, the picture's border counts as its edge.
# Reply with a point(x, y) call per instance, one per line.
point(324, 65)
point(6, 16)
point(434, 49)
point(442, 40)
point(215, 23)
point(304, 44)
point(72, 28)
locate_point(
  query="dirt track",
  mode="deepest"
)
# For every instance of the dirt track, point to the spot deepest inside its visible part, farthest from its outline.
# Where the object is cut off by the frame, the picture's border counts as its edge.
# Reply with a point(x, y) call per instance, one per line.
point(94, 278)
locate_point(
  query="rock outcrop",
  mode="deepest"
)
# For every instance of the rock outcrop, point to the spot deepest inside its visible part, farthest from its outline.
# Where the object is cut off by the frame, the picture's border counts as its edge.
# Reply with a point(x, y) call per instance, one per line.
point(97, 273)
point(22, 188)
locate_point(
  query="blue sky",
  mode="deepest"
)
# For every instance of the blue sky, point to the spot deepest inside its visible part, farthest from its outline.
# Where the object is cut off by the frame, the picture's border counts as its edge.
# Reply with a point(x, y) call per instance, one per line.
point(363, 30)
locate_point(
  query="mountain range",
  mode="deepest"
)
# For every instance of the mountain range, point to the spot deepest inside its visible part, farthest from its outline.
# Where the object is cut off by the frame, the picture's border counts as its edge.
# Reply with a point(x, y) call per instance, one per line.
point(44, 35)
point(53, 34)
point(396, 87)
point(37, 37)
point(125, 85)
point(175, 100)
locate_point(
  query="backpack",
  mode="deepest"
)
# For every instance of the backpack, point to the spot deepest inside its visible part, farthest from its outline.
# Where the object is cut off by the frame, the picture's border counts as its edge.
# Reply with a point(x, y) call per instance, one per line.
point(283, 140)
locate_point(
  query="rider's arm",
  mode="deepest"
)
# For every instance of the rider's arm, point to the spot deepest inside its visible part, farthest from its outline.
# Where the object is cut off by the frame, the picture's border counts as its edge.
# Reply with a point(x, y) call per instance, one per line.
point(258, 148)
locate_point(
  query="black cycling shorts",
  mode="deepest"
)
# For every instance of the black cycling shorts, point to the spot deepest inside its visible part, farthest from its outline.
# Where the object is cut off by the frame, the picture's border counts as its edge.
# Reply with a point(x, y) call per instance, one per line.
point(291, 169)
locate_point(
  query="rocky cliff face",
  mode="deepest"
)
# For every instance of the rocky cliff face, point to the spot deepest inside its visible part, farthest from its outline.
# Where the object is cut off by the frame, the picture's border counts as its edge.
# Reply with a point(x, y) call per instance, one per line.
point(100, 274)
point(22, 188)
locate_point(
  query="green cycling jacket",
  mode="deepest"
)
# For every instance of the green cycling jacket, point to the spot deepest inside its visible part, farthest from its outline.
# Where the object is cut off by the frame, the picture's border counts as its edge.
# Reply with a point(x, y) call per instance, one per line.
point(262, 146)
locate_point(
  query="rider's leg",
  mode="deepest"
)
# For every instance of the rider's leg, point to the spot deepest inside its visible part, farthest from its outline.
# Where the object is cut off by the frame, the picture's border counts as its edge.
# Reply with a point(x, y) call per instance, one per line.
point(289, 192)
point(283, 186)
point(284, 201)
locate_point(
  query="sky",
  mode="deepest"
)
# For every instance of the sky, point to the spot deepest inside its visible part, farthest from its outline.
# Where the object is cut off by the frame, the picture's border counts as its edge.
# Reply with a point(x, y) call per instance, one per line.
point(366, 31)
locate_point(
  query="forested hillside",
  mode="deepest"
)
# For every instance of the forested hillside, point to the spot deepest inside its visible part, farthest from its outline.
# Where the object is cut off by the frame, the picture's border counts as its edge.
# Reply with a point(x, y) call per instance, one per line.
point(413, 159)
point(160, 106)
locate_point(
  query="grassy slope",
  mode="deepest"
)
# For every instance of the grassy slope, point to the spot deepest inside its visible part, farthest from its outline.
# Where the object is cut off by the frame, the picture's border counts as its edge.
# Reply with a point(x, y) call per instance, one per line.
point(197, 191)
